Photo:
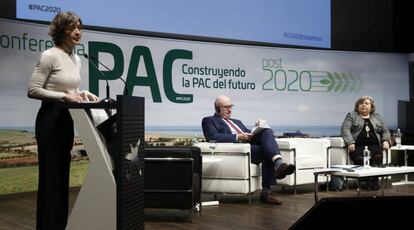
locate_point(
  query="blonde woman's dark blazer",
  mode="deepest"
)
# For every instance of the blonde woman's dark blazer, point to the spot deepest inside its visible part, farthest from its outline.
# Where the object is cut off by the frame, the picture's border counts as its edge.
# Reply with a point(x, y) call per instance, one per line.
point(354, 123)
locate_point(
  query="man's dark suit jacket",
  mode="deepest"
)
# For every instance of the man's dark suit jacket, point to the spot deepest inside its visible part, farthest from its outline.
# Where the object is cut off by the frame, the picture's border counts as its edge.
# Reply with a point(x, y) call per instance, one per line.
point(214, 128)
point(263, 145)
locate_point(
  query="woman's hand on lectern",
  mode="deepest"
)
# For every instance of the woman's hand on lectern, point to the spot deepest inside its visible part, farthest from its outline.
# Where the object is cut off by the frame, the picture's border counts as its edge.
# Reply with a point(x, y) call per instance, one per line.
point(88, 96)
point(72, 97)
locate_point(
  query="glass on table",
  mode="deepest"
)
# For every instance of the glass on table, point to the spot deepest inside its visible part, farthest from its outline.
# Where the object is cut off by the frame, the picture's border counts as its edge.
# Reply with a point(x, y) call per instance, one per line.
point(212, 144)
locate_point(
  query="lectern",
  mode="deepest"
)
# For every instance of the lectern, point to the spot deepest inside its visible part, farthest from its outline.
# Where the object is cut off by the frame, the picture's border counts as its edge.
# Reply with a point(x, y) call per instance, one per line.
point(111, 196)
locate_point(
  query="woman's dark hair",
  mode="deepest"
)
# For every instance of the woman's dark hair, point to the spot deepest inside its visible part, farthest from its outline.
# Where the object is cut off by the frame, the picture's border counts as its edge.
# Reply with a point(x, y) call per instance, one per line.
point(61, 22)
point(361, 100)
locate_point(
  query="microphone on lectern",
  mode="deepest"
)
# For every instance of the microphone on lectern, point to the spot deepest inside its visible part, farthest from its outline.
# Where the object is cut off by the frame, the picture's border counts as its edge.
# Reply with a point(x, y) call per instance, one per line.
point(107, 99)
point(125, 84)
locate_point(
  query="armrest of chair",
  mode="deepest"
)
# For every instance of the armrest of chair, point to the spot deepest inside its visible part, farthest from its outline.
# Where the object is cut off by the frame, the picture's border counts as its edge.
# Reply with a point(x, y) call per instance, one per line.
point(337, 152)
point(225, 147)
point(287, 150)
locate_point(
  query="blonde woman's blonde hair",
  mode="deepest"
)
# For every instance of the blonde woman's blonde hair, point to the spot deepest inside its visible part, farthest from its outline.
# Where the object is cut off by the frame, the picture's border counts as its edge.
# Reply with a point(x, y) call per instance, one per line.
point(362, 99)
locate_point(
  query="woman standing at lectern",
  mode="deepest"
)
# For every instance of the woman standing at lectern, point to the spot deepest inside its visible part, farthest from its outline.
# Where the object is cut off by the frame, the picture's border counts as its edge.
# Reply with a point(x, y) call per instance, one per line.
point(56, 77)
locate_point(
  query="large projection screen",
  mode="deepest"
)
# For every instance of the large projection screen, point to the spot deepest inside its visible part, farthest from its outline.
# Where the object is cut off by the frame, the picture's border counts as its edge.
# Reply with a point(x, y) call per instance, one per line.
point(286, 22)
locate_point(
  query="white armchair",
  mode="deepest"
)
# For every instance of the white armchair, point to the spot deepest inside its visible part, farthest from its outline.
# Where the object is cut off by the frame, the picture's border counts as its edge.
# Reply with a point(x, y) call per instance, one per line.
point(307, 154)
point(338, 153)
point(231, 171)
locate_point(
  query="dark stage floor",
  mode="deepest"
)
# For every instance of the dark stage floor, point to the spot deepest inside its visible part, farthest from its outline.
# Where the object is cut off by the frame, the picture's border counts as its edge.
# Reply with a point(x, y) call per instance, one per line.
point(17, 211)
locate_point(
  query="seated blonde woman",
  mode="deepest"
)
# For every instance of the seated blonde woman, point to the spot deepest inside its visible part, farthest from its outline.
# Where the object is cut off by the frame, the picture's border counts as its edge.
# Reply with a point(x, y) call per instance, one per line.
point(364, 127)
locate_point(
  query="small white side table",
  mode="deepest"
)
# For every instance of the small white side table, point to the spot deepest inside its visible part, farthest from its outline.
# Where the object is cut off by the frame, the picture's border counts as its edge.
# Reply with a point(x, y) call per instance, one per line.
point(404, 148)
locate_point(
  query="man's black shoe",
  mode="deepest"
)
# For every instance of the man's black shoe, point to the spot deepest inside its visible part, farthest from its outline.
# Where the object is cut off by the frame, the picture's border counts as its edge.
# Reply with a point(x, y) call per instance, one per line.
point(284, 169)
point(268, 198)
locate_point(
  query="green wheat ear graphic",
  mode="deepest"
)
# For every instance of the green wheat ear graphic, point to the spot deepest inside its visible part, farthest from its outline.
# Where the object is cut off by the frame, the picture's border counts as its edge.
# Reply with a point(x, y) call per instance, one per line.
point(341, 82)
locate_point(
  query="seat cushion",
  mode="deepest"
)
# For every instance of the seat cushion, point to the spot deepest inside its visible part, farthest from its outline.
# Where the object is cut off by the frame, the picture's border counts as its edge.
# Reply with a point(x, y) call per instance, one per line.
point(231, 186)
point(229, 167)
point(231, 161)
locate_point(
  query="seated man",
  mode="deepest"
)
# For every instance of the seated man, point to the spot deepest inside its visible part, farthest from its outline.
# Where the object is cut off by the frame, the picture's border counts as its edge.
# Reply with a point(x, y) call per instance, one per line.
point(264, 149)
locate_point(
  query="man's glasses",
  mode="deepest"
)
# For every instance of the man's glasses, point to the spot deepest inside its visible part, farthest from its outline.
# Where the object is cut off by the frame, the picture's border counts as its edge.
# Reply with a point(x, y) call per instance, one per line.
point(227, 106)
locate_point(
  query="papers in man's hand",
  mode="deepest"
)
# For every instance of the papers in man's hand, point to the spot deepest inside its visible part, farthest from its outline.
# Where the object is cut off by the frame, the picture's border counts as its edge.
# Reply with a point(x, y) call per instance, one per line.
point(260, 125)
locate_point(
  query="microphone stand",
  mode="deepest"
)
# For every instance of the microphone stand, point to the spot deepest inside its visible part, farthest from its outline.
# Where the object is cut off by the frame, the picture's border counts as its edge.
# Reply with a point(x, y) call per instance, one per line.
point(108, 98)
point(125, 84)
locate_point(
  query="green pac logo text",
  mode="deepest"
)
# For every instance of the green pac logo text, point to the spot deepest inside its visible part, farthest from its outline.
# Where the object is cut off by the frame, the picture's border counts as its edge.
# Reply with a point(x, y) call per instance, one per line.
point(132, 79)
